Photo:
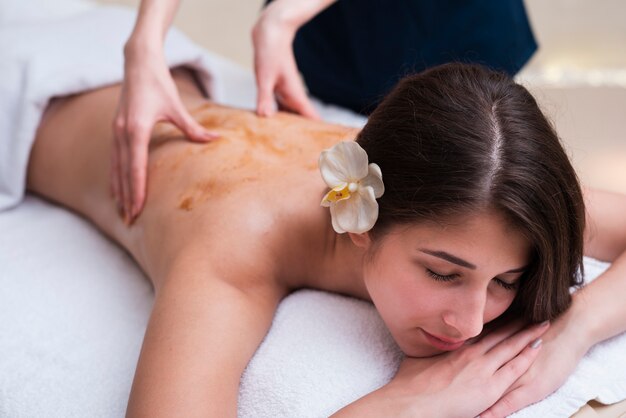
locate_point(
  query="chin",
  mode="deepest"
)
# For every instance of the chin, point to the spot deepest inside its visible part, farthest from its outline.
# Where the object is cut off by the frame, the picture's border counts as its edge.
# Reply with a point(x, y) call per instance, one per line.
point(419, 350)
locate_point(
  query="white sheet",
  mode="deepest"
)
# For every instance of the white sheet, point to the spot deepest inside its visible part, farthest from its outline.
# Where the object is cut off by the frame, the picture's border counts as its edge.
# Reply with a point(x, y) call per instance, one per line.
point(74, 306)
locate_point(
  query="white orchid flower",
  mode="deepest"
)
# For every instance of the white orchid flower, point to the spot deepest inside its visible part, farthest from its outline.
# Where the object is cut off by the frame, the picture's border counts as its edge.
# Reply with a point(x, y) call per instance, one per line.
point(355, 185)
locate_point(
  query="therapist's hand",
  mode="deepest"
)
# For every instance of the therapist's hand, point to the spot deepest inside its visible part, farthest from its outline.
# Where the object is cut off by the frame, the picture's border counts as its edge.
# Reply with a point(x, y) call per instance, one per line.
point(148, 96)
point(275, 68)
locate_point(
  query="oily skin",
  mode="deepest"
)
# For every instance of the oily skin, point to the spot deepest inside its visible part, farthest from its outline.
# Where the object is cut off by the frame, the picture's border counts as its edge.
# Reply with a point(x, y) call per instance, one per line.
point(411, 301)
point(248, 151)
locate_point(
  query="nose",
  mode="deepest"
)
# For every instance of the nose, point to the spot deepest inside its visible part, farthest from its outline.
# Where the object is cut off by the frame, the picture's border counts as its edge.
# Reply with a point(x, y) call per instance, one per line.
point(466, 313)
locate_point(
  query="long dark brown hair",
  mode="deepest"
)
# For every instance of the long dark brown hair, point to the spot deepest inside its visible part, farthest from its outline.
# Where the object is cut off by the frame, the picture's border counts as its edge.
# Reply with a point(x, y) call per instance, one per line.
point(460, 138)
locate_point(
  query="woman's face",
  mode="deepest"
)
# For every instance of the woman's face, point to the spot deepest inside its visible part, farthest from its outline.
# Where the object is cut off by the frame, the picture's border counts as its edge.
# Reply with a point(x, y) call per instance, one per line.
point(435, 285)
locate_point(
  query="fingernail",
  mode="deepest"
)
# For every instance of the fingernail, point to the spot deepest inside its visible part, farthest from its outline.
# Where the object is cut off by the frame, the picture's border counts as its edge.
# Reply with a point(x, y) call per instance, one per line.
point(536, 343)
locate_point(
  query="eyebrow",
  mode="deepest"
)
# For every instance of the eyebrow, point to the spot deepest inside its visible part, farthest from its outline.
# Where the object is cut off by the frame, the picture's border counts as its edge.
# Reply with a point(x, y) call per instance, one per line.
point(460, 262)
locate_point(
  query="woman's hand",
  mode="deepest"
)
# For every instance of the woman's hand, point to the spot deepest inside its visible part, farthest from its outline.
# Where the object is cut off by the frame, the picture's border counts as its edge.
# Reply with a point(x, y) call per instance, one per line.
point(274, 63)
point(149, 95)
point(462, 383)
point(564, 344)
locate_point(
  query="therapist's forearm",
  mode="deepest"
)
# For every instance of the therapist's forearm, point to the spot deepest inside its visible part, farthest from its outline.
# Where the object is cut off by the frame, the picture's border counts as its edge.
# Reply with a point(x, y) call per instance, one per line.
point(153, 21)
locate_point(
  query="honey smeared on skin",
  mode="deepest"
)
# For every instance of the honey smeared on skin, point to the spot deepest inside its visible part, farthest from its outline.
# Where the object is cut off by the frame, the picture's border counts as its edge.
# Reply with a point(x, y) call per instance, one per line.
point(249, 152)
point(186, 204)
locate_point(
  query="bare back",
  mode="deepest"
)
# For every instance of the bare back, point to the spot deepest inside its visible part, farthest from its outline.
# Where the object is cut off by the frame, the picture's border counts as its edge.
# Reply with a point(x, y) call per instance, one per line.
point(222, 225)
point(254, 184)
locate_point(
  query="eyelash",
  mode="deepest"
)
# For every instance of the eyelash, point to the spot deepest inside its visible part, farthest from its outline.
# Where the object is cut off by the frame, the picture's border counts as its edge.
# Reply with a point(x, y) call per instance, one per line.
point(451, 277)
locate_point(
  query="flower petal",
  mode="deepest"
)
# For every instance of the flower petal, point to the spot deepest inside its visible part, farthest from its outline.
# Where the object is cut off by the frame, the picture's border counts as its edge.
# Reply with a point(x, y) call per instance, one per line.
point(345, 162)
point(357, 214)
point(368, 209)
point(374, 179)
point(333, 217)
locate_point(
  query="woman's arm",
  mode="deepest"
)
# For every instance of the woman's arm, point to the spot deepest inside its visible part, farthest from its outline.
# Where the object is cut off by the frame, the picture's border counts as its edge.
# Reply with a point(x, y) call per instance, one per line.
point(461, 383)
point(605, 239)
point(597, 312)
point(201, 335)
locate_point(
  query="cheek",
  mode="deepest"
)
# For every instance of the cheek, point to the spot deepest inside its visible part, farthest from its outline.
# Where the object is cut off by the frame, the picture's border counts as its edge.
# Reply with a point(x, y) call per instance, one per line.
point(497, 305)
point(398, 296)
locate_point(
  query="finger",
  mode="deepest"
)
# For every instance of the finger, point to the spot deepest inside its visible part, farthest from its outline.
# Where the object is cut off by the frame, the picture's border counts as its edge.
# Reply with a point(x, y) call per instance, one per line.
point(139, 167)
point(509, 348)
point(190, 127)
point(518, 398)
point(293, 96)
point(113, 166)
point(134, 157)
point(495, 336)
point(113, 171)
point(265, 104)
point(116, 169)
point(124, 184)
point(509, 403)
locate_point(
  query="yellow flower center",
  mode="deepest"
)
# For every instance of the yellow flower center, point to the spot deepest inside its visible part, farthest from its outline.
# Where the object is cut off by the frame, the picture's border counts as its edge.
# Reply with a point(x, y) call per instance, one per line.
point(340, 193)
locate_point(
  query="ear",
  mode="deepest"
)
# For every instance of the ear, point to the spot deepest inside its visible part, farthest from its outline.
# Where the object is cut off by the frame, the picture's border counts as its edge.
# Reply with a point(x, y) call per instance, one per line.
point(361, 240)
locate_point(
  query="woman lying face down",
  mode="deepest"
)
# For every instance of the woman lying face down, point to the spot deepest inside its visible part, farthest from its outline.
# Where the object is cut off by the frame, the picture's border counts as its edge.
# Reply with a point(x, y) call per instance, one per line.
point(455, 205)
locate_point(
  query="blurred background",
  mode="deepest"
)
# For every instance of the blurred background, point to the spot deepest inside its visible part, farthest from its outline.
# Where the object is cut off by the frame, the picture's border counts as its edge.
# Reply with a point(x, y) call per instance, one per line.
point(578, 74)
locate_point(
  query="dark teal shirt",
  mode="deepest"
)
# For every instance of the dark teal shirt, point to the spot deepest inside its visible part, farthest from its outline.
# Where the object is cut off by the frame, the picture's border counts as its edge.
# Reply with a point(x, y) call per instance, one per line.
point(355, 51)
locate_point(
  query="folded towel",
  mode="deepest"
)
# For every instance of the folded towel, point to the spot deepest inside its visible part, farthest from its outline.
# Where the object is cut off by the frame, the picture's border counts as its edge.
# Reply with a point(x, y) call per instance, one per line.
point(78, 48)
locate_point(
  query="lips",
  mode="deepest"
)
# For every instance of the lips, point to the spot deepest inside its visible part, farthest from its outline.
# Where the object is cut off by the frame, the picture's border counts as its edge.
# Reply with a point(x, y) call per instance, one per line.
point(442, 343)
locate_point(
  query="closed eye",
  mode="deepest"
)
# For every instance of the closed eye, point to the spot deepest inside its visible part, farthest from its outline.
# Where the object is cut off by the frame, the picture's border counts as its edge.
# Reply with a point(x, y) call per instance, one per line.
point(505, 285)
point(450, 277)
point(441, 277)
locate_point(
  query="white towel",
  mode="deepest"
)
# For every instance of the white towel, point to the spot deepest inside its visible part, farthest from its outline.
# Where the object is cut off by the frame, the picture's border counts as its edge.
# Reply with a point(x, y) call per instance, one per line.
point(74, 306)
point(78, 48)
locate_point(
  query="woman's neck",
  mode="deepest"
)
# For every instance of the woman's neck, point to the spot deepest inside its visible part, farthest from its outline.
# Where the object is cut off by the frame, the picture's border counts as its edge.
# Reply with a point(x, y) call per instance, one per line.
point(327, 260)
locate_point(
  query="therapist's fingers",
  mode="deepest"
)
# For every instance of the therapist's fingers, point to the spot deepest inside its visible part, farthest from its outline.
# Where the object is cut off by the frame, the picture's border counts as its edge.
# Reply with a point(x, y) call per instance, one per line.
point(265, 104)
point(119, 141)
point(292, 95)
point(114, 169)
point(124, 175)
point(134, 162)
point(180, 117)
point(137, 182)
point(266, 73)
